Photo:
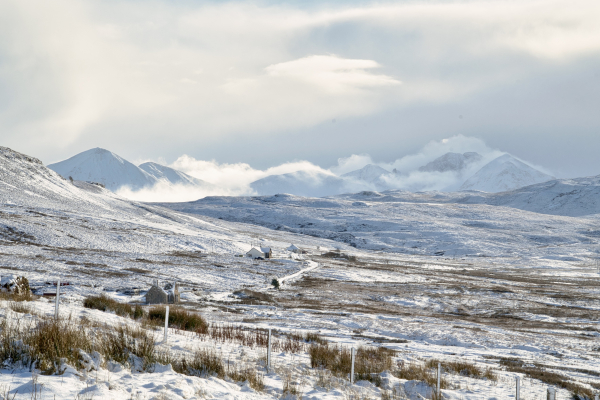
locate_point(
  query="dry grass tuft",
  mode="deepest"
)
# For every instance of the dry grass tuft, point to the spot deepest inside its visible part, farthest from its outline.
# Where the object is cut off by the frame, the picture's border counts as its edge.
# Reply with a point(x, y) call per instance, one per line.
point(179, 318)
point(548, 377)
point(105, 303)
point(418, 372)
point(369, 364)
point(464, 368)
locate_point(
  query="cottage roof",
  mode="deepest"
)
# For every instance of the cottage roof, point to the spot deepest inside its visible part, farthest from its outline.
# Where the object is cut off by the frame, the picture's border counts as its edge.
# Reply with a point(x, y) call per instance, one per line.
point(255, 249)
point(292, 248)
point(265, 249)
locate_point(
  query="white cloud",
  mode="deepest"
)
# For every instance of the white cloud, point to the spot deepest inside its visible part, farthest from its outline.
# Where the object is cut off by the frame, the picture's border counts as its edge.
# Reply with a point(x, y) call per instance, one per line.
point(235, 179)
point(352, 163)
point(89, 73)
point(332, 74)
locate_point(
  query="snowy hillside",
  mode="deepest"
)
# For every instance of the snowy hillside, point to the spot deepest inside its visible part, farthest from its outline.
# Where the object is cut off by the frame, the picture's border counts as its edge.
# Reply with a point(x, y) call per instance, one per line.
point(410, 223)
point(105, 167)
point(301, 183)
point(457, 282)
point(503, 174)
point(371, 175)
point(451, 162)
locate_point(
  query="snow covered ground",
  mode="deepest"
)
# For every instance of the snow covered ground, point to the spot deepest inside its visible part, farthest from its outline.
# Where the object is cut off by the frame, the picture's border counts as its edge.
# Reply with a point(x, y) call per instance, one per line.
point(509, 284)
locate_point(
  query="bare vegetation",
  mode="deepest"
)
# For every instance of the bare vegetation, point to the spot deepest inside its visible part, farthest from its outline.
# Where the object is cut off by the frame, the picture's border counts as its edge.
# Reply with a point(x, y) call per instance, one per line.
point(551, 378)
point(179, 318)
point(206, 362)
point(464, 368)
point(105, 303)
point(370, 362)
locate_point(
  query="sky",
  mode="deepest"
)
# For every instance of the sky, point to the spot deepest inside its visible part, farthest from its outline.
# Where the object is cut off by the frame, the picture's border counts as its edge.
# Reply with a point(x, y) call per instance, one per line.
point(269, 83)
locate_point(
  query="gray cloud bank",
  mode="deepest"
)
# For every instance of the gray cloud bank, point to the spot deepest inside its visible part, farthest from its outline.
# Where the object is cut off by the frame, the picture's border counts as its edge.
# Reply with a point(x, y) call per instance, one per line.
point(212, 79)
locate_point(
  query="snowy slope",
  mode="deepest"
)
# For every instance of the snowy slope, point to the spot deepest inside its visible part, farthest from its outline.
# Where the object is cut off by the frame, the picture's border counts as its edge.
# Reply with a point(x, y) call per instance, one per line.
point(171, 175)
point(529, 291)
point(105, 167)
point(411, 223)
point(301, 183)
point(503, 174)
point(451, 162)
point(570, 197)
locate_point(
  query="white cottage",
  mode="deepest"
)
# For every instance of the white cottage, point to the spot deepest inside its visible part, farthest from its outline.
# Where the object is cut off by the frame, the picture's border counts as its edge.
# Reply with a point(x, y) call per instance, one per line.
point(255, 253)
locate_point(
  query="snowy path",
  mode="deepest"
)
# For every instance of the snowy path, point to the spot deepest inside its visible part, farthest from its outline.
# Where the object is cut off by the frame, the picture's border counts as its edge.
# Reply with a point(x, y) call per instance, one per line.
point(311, 266)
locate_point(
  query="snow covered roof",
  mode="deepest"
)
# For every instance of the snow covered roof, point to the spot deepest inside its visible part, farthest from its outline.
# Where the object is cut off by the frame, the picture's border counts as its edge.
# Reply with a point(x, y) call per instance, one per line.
point(292, 248)
point(265, 249)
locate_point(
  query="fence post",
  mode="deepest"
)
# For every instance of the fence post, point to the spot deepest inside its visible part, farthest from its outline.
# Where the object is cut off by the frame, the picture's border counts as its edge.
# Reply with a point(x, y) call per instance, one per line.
point(597, 396)
point(269, 352)
point(439, 380)
point(57, 298)
point(352, 367)
point(166, 324)
point(551, 394)
point(518, 391)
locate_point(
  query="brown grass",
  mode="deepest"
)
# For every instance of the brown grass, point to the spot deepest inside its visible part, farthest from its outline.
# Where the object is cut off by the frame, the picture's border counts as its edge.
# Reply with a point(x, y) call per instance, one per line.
point(179, 318)
point(208, 363)
point(105, 303)
point(370, 362)
point(464, 368)
point(551, 378)
point(418, 372)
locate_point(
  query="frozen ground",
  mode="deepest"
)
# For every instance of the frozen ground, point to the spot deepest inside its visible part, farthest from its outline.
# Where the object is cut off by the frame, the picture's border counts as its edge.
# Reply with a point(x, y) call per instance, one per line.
point(510, 284)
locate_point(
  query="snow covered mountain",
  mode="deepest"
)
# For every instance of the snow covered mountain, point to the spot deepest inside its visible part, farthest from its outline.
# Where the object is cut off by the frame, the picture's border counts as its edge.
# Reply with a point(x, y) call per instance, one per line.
point(451, 162)
point(171, 175)
point(114, 172)
point(105, 167)
point(372, 175)
point(301, 183)
point(503, 174)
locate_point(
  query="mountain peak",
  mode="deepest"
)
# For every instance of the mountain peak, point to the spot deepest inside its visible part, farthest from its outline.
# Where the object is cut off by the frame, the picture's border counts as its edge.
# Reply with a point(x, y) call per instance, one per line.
point(504, 173)
point(451, 162)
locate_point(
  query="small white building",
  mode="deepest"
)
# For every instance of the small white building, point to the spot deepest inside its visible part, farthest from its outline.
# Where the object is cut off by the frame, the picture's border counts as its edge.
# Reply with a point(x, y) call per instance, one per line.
point(255, 253)
point(293, 249)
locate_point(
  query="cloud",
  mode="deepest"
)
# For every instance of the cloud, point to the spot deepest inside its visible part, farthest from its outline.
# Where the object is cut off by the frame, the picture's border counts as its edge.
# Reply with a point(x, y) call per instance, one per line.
point(133, 73)
point(332, 74)
point(312, 180)
point(351, 163)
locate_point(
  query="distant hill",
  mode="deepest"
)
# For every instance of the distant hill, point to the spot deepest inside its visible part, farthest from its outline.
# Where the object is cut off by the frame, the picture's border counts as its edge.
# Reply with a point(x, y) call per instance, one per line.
point(503, 174)
point(301, 183)
point(371, 174)
point(451, 162)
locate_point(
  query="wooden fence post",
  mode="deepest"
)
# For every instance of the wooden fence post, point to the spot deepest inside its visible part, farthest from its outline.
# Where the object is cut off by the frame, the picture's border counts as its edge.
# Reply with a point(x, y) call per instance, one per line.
point(352, 366)
point(269, 352)
point(518, 391)
point(57, 299)
point(166, 324)
point(439, 380)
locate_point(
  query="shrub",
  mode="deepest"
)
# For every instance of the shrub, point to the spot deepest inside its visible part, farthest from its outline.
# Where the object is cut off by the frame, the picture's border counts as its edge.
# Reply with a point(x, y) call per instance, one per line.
point(418, 372)
point(105, 303)
point(370, 362)
point(209, 363)
point(179, 318)
point(52, 340)
point(548, 377)
point(122, 343)
point(464, 368)
point(275, 283)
